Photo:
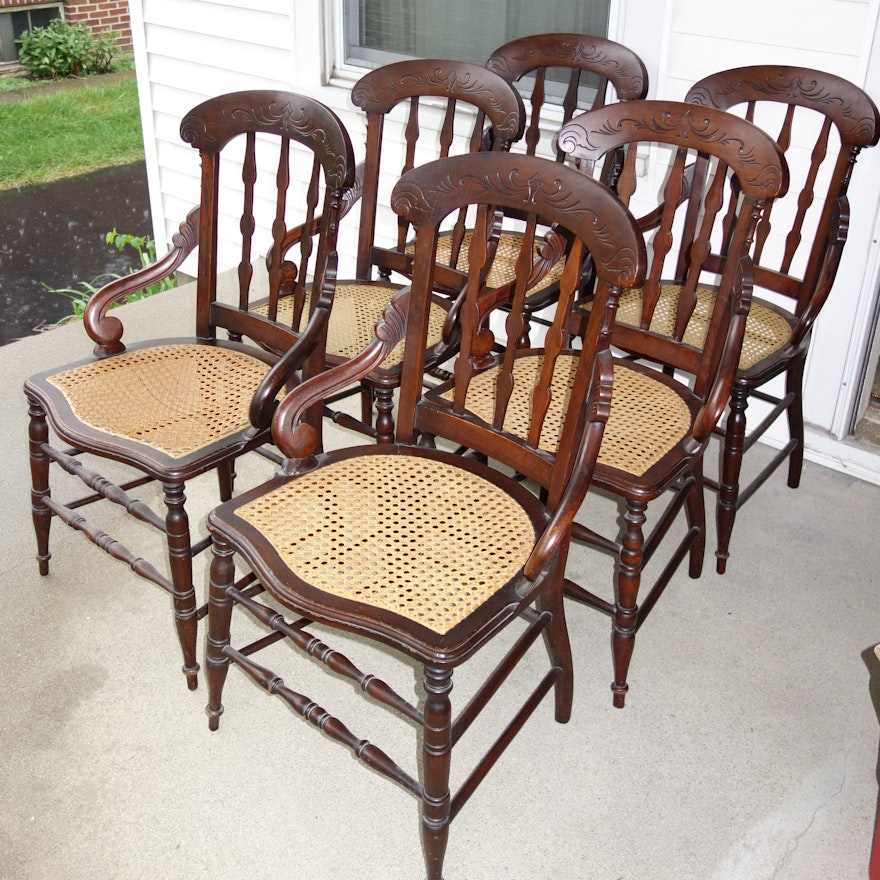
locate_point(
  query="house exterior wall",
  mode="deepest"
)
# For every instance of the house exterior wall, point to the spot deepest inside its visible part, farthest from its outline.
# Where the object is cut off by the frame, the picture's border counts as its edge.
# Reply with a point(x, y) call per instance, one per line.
point(187, 50)
point(100, 16)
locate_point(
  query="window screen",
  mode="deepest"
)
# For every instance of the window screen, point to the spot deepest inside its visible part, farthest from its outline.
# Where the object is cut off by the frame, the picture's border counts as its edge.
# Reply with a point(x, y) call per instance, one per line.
point(379, 31)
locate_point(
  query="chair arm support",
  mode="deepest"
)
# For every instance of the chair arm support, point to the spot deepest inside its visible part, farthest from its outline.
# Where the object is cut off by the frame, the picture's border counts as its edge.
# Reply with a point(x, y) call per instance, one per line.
point(283, 372)
point(652, 219)
point(350, 198)
point(725, 373)
point(598, 409)
point(298, 440)
point(106, 330)
point(837, 235)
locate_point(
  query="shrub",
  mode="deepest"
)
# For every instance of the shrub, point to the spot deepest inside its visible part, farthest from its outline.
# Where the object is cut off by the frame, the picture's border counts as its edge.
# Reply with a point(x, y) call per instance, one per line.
point(146, 250)
point(62, 50)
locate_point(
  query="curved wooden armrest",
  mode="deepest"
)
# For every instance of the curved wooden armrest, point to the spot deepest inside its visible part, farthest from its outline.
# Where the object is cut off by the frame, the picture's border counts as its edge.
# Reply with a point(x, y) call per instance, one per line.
point(652, 219)
point(264, 401)
point(298, 440)
point(598, 410)
point(741, 301)
point(350, 198)
point(838, 231)
point(106, 330)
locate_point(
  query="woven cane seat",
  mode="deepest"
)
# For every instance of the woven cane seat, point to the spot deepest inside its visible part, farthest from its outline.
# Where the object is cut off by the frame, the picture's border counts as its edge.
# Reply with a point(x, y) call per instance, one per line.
point(422, 538)
point(503, 266)
point(174, 398)
point(648, 417)
point(767, 330)
point(356, 309)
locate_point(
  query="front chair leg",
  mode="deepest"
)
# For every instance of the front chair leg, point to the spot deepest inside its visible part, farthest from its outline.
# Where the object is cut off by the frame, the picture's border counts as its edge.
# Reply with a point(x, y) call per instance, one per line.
point(437, 758)
point(559, 644)
point(184, 595)
point(219, 619)
point(38, 436)
point(794, 385)
point(626, 611)
point(696, 517)
point(731, 464)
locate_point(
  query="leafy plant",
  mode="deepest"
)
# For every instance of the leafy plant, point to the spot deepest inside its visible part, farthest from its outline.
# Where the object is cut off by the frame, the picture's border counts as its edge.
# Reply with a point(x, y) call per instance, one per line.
point(63, 50)
point(146, 250)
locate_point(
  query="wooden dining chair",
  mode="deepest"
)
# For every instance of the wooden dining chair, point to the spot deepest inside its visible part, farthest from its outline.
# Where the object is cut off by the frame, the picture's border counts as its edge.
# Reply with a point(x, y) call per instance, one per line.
point(558, 74)
point(174, 408)
point(426, 552)
point(821, 122)
point(681, 333)
point(416, 111)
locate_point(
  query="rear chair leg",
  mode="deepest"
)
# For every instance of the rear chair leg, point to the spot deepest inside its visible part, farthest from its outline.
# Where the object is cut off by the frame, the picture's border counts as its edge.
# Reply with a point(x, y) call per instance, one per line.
point(184, 595)
point(38, 435)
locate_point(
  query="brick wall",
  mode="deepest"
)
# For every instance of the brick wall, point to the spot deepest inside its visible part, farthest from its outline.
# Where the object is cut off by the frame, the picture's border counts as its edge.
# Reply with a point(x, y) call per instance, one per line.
point(101, 15)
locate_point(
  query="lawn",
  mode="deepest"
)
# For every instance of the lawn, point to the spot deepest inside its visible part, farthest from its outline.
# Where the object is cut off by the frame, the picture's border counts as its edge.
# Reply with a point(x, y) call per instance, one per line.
point(45, 137)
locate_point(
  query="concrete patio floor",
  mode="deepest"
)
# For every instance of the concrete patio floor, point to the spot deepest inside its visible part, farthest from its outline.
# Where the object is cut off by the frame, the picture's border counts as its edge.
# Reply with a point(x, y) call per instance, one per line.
point(748, 749)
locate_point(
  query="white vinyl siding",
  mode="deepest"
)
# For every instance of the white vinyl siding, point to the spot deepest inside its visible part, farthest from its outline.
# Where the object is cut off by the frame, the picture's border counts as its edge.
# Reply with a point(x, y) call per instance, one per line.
point(188, 50)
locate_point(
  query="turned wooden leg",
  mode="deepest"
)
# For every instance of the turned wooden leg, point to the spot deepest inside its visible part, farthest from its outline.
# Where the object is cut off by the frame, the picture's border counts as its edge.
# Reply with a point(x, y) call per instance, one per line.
point(384, 418)
point(436, 757)
point(626, 611)
point(38, 435)
point(696, 517)
point(731, 464)
point(219, 619)
point(794, 382)
point(184, 595)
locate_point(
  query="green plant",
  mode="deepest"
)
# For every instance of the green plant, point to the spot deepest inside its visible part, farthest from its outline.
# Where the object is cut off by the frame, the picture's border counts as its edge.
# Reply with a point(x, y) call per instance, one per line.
point(63, 50)
point(146, 250)
point(46, 137)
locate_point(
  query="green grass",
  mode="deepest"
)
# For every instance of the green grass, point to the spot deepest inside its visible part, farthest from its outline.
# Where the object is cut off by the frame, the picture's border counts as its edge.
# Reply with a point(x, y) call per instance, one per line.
point(69, 132)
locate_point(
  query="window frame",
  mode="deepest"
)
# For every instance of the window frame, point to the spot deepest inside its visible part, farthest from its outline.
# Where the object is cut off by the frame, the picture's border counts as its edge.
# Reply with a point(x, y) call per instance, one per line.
point(26, 10)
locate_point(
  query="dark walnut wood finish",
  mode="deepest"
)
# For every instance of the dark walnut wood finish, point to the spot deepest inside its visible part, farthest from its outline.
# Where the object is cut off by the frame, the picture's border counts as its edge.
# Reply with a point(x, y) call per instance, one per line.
point(437, 98)
point(679, 320)
point(175, 408)
point(797, 250)
point(560, 74)
point(429, 552)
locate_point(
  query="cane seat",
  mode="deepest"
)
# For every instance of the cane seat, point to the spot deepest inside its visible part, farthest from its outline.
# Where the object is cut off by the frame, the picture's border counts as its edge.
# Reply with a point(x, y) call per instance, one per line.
point(428, 552)
point(824, 122)
point(172, 409)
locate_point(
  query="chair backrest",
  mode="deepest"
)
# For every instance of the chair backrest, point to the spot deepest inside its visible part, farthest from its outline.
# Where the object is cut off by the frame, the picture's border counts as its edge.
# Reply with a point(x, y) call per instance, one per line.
point(697, 331)
point(433, 94)
point(567, 72)
point(595, 221)
point(269, 159)
point(821, 122)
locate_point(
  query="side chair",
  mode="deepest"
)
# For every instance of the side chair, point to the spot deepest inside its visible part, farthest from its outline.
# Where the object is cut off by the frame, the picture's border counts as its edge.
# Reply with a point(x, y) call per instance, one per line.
point(823, 122)
point(426, 552)
point(680, 334)
point(172, 409)
point(559, 75)
point(416, 111)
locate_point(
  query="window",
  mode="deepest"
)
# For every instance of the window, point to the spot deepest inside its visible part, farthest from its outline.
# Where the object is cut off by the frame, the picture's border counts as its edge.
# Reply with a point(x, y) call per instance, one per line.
point(14, 24)
point(379, 31)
